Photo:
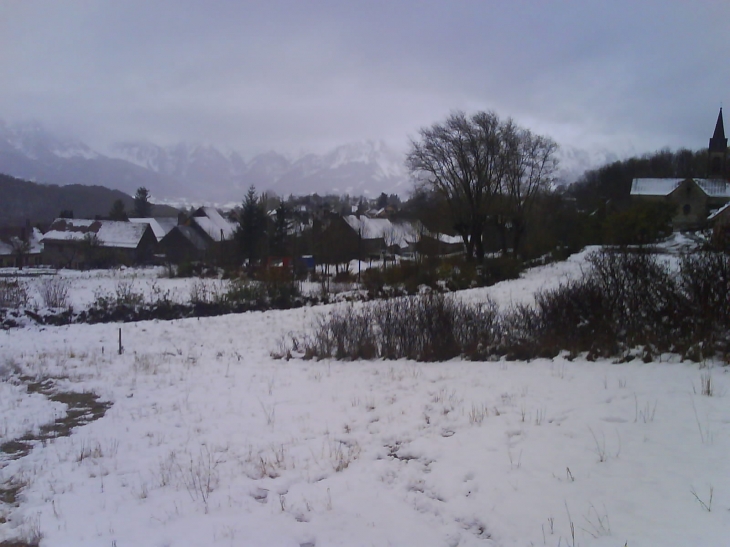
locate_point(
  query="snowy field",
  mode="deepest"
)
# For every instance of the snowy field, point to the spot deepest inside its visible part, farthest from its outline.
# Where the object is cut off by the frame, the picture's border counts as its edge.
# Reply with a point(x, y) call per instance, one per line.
point(211, 441)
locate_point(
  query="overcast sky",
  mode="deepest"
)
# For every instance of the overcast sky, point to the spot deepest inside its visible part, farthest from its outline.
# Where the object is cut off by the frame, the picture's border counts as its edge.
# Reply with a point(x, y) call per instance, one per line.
point(610, 77)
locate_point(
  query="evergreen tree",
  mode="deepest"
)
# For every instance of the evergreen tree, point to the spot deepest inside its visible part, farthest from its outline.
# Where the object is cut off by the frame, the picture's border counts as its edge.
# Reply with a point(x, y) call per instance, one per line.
point(117, 211)
point(142, 205)
point(280, 236)
point(251, 227)
point(382, 202)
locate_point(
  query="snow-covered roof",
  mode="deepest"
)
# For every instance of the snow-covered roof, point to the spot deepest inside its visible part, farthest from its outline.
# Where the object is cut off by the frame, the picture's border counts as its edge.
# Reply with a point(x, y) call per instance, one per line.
point(654, 187)
point(160, 226)
point(10, 243)
point(111, 233)
point(393, 233)
point(714, 187)
point(717, 213)
point(664, 187)
point(214, 224)
point(451, 240)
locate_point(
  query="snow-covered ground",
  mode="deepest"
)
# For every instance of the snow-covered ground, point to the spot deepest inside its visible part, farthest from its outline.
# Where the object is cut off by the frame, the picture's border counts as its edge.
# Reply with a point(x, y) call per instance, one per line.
point(211, 441)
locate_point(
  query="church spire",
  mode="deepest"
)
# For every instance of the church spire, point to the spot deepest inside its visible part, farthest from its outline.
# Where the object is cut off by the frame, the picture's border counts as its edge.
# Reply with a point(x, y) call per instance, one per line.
point(717, 153)
point(718, 142)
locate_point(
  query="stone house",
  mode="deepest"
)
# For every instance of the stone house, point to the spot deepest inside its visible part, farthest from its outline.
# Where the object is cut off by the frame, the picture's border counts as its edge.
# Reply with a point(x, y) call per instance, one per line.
point(695, 199)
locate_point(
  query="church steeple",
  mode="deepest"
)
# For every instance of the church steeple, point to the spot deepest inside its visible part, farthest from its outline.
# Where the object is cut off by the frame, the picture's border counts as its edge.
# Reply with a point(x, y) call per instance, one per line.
point(717, 153)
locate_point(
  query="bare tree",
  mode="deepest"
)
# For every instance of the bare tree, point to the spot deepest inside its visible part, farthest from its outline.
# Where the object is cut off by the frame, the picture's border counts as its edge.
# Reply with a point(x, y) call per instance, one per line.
point(530, 166)
point(485, 169)
point(461, 159)
point(391, 238)
point(21, 249)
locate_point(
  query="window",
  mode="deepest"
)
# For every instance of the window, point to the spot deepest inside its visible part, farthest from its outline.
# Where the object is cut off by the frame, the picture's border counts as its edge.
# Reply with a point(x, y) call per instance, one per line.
point(687, 209)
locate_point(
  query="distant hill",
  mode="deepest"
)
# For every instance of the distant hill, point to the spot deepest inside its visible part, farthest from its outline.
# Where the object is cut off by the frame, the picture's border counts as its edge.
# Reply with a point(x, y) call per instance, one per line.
point(40, 203)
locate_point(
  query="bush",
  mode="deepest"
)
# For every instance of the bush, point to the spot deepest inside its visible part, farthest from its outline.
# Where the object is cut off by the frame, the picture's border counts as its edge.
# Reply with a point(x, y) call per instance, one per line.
point(429, 327)
point(13, 294)
point(642, 224)
point(282, 289)
point(54, 292)
point(705, 282)
point(407, 277)
point(623, 302)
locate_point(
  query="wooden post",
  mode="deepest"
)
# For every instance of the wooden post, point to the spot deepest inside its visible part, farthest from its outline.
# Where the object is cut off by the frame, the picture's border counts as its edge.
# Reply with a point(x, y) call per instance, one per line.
point(120, 341)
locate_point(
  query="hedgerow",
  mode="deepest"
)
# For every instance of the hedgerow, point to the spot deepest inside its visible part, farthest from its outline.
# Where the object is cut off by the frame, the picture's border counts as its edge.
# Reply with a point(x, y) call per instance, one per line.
point(625, 303)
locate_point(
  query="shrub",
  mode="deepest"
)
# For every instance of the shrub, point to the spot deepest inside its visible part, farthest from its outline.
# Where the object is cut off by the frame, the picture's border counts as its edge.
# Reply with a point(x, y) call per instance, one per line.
point(499, 269)
point(54, 292)
point(241, 291)
point(344, 334)
point(705, 282)
point(429, 327)
point(126, 294)
point(641, 224)
point(625, 300)
point(282, 289)
point(13, 294)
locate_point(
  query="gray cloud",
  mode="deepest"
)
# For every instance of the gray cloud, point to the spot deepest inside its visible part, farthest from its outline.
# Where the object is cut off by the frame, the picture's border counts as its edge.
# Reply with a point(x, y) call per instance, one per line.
point(619, 77)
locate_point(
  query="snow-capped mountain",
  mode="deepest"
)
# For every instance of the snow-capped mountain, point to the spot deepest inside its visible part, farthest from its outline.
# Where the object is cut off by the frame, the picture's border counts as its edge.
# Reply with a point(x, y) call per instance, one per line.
point(198, 172)
point(33, 141)
point(366, 168)
point(356, 168)
point(28, 151)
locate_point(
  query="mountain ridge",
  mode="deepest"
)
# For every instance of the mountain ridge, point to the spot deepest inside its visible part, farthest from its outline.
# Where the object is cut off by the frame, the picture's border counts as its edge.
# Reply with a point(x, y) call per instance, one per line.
point(197, 171)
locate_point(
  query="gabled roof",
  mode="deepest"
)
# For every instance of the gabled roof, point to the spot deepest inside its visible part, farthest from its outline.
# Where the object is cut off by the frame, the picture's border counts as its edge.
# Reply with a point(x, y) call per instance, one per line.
point(213, 223)
point(160, 226)
point(664, 187)
point(397, 233)
point(189, 233)
point(393, 233)
point(111, 233)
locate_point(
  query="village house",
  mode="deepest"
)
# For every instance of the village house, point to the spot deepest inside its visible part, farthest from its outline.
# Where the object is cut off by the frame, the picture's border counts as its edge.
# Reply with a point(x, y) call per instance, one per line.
point(695, 199)
point(204, 235)
point(85, 243)
point(212, 225)
point(350, 237)
point(20, 247)
point(184, 244)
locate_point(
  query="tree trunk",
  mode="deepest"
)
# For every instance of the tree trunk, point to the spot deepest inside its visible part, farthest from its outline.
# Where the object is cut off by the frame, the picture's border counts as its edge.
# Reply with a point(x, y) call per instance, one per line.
point(519, 229)
point(478, 241)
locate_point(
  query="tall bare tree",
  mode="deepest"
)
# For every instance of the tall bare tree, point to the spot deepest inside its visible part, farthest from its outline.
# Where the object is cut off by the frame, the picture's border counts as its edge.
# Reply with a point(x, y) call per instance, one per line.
point(461, 159)
point(530, 165)
point(486, 169)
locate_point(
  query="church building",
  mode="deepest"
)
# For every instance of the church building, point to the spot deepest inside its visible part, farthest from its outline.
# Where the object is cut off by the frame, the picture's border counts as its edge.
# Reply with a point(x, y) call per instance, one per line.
point(695, 199)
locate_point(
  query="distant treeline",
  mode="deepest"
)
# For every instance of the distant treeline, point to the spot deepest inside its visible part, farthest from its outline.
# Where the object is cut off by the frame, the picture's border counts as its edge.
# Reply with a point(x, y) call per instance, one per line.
point(612, 182)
